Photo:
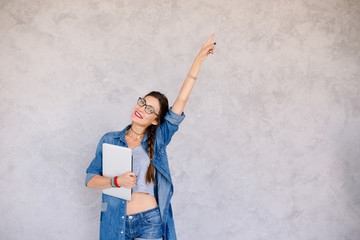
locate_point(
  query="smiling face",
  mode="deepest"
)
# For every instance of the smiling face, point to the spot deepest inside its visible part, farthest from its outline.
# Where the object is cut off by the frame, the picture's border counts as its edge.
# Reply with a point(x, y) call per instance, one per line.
point(139, 115)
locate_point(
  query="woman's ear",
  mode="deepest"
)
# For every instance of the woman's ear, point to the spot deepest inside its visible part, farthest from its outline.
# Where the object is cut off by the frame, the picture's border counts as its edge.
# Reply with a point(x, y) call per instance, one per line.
point(155, 122)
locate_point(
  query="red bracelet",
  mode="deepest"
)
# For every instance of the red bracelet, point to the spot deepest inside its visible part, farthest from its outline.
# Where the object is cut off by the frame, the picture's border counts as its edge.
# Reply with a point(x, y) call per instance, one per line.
point(115, 182)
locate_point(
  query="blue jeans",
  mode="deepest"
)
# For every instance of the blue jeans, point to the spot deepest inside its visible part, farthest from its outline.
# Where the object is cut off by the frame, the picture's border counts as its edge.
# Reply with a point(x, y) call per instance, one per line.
point(144, 225)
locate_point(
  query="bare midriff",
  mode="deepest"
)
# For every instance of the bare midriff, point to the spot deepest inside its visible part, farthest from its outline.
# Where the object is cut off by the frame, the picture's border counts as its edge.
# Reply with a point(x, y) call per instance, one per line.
point(140, 202)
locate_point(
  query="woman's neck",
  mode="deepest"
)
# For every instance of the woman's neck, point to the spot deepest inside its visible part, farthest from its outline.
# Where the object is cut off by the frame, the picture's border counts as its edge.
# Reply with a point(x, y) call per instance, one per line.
point(136, 131)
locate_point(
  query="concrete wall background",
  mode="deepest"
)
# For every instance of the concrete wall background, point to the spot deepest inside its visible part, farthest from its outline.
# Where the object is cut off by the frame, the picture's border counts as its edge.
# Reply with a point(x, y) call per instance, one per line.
point(273, 120)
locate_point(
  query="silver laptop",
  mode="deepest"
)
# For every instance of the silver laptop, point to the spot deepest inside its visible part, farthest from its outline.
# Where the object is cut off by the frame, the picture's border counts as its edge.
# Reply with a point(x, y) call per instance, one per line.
point(116, 161)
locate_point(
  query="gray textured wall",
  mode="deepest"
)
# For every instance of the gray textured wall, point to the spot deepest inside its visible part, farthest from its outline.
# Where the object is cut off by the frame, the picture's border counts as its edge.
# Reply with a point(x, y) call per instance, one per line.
point(270, 145)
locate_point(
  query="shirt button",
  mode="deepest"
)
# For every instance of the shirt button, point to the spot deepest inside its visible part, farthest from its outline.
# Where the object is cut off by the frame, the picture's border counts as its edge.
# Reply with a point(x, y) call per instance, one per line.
point(130, 217)
point(122, 216)
point(122, 232)
point(170, 193)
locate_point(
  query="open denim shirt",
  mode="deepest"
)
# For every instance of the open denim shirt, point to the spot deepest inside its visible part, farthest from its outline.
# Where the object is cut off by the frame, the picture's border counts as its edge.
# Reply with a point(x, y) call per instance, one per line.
point(113, 209)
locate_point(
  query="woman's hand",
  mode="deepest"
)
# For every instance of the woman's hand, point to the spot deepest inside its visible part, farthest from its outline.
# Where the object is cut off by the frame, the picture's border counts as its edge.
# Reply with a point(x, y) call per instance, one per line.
point(207, 48)
point(127, 180)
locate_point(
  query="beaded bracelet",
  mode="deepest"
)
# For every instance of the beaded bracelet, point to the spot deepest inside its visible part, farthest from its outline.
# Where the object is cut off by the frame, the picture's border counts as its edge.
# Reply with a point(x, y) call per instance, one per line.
point(112, 182)
point(191, 76)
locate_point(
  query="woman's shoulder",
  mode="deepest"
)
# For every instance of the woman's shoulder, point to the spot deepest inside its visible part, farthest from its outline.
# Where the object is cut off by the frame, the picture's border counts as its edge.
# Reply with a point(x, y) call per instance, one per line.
point(115, 134)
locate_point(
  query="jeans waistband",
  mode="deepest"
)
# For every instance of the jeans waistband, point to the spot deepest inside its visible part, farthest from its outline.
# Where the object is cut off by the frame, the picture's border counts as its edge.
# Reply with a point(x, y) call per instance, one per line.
point(142, 214)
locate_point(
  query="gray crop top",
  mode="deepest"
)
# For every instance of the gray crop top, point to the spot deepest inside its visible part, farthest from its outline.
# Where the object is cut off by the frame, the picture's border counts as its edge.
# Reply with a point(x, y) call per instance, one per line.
point(141, 163)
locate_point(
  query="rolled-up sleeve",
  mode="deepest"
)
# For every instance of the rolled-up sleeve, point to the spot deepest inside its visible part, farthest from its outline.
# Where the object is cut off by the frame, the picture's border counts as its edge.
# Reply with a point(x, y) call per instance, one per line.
point(170, 125)
point(95, 167)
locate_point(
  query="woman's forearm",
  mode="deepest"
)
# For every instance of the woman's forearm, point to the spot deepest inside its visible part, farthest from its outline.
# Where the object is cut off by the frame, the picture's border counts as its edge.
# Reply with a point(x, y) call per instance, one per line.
point(99, 182)
point(206, 49)
point(186, 88)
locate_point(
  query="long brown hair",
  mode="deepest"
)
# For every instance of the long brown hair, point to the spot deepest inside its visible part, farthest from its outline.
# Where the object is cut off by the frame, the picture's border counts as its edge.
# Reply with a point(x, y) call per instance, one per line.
point(151, 131)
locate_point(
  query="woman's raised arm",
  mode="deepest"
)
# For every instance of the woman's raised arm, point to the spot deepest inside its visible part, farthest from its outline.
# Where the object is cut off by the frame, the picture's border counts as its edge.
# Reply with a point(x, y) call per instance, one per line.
point(179, 104)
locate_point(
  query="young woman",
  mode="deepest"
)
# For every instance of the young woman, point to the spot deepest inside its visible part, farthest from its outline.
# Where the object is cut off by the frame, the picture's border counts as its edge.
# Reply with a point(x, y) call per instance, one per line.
point(148, 215)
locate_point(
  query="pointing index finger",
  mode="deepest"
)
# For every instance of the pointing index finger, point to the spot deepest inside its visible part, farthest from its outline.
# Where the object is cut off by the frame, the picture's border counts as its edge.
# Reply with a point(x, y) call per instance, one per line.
point(210, 38)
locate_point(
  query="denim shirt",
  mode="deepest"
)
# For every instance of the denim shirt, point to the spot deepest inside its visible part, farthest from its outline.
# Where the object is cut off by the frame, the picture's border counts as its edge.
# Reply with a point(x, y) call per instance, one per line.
point(113, 209)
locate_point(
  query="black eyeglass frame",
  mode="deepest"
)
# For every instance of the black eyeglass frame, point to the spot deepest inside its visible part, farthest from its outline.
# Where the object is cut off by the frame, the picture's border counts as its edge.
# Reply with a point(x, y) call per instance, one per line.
point(146, 106)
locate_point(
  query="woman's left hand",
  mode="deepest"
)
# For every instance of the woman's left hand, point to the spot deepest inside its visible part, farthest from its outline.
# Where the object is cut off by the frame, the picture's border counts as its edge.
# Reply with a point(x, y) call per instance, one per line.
point(206, 49)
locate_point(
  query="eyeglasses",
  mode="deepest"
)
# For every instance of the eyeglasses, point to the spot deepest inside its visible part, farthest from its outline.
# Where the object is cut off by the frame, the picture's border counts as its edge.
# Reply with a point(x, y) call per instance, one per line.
point(148, 108)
